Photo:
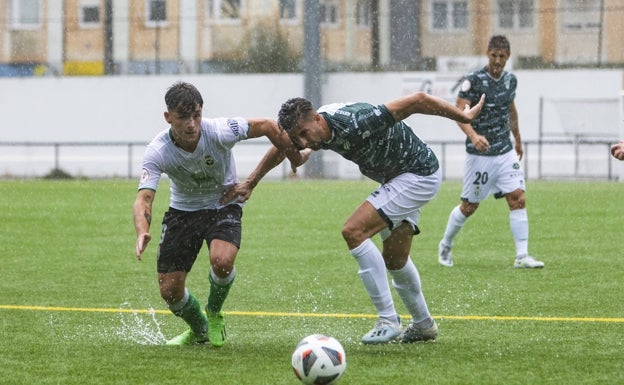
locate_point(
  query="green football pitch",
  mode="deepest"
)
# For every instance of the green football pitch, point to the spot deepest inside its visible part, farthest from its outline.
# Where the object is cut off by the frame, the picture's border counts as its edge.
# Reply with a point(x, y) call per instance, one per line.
point(77, 307)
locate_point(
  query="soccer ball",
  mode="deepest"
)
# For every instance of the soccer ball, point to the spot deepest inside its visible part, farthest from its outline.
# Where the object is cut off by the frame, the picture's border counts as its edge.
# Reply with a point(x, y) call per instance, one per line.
point(319, 360)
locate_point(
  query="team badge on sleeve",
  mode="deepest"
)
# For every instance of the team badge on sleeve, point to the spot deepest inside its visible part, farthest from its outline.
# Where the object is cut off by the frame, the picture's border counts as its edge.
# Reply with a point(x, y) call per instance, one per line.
point(144, 175)
point(465, 85)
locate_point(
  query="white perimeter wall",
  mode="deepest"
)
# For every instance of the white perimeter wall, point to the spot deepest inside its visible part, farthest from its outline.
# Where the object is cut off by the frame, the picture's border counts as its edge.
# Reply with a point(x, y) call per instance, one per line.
point(120, 109)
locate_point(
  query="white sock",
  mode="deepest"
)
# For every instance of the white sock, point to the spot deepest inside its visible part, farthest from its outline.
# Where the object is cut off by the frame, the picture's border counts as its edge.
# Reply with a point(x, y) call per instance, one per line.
point(180, 304)
point(222, 281)
point(519, 224)
point(455, 223)
point(372, 272)
point(406, 282)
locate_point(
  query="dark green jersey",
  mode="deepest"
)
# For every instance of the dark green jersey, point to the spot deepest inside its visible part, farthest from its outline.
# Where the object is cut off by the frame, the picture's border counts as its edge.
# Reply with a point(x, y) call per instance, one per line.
point(493, 121)
point(370, 137)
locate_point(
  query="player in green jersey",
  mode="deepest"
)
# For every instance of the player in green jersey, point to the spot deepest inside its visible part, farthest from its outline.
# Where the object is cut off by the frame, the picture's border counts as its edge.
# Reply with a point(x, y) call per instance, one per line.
point(492, 167)
point(388, 151)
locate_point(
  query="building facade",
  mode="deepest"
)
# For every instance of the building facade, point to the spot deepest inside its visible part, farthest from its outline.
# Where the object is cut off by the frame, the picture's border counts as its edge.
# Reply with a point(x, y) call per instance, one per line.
point(97, 37)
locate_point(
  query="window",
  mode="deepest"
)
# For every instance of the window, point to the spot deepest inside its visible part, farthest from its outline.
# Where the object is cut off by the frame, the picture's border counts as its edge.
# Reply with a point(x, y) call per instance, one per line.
point(224, 9)
point(363, 13)
point(329, 12)
point(89, 13)
point(156, 12)
point(516, 14)
point(24, 14)
point(449, 15)
point(287, 9)
point(581, 16)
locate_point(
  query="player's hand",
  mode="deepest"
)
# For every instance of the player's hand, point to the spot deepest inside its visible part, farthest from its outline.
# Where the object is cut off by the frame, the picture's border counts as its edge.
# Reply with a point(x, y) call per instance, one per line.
point(473, 112)
point(305, 155)
point(480, 143)
point(237, 193)
point(141, 244)
point(617, 150)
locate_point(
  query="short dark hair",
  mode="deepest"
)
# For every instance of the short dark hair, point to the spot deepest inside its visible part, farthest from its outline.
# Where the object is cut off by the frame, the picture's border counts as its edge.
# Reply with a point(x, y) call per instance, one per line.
point(499, 42)
point(182, 97)
point(292, 111)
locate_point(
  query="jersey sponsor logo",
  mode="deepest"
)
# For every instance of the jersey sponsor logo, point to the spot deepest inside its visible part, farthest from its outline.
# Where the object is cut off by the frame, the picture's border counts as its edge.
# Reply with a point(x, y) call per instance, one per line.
point(233, 124)
point(144, 175)
point(343, 112)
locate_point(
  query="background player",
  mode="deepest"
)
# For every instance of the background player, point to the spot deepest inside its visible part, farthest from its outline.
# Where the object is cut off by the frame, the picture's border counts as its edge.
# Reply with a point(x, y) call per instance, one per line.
point(491, 165)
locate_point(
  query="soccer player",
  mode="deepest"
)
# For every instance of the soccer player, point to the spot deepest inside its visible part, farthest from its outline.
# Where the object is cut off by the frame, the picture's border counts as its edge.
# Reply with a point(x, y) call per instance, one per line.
point(196, 154)
point(617, 150)
point(388, 151)
point(492, 167)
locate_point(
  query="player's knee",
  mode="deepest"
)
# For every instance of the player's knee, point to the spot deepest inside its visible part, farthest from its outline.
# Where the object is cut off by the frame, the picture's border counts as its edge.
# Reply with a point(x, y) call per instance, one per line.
point(467, 208)
point(352, 235)
point(171, 292)
point(222, 267)
point(516, 200)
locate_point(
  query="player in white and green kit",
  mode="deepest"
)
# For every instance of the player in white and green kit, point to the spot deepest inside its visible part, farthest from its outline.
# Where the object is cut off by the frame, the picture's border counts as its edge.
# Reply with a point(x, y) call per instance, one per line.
point(492, 167)
point(388, 151)
point(196, 155)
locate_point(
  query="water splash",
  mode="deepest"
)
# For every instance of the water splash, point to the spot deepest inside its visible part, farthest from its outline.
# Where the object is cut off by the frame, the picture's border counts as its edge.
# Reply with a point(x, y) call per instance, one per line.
point(140, 327)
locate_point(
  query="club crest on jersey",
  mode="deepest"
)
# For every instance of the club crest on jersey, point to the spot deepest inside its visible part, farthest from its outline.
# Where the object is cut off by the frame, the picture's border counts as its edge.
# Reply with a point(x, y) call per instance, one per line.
point(516, 166)
point(209, 160)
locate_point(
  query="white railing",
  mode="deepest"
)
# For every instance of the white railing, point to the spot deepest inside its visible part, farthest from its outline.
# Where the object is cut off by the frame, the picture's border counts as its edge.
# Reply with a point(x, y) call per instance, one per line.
point(569, 158)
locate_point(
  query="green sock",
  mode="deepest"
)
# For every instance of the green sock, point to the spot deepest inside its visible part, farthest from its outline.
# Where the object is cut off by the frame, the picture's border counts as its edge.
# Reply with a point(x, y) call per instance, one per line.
point(217, 296)
point(193, 315)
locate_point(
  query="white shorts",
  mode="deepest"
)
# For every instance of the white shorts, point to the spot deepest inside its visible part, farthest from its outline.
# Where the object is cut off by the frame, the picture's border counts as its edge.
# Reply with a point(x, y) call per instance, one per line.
point(400, 199)
point(485, 175)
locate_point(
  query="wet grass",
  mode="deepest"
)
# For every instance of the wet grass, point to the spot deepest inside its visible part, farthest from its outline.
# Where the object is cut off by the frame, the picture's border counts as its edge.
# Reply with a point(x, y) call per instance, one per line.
point(70, 284)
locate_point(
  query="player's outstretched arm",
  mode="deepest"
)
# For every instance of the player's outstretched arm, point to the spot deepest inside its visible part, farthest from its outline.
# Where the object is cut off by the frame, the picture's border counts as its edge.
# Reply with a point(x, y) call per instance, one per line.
point(142, 210)
point(422, 103)
point(269, 128)
point(282, 147)
point(241, 192)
